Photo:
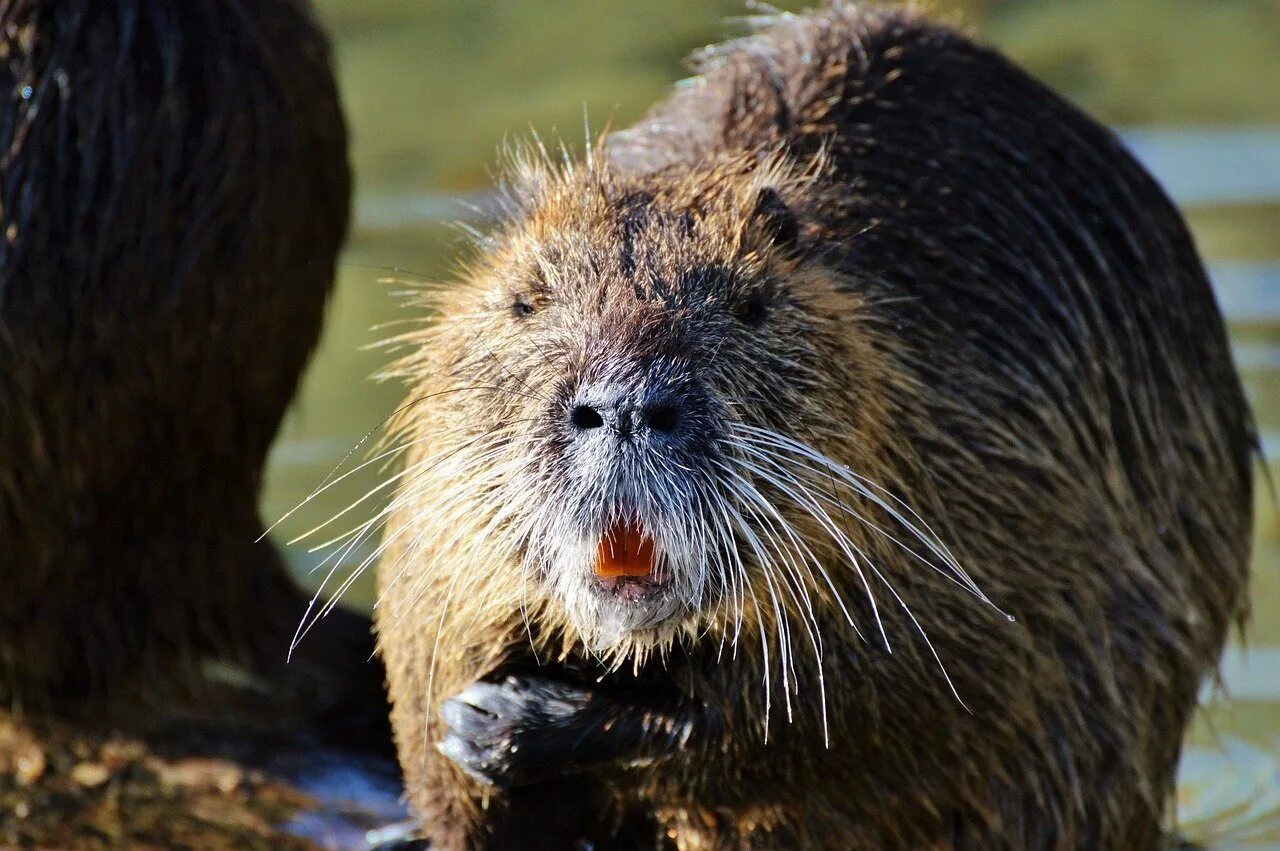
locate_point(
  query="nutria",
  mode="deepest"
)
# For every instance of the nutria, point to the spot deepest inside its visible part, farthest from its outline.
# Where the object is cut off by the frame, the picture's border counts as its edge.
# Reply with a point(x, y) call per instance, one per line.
point(175, 189)
point(849, 455)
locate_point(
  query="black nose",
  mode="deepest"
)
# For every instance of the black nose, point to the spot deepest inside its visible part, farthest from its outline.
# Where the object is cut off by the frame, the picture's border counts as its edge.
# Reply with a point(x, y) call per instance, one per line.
point(624, 416)
point(584, 417)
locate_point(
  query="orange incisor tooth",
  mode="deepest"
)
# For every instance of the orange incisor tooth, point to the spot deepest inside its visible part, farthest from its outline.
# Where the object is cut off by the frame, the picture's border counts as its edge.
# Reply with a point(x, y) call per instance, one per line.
point(624, 551)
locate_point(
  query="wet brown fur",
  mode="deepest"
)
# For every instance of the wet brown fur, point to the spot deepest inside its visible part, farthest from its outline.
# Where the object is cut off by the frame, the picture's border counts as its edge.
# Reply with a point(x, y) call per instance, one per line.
point(175, 189)
point(990, 310)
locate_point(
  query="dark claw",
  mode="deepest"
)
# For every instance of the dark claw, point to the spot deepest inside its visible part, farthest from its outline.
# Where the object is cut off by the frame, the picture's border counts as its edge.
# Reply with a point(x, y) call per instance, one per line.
point(515, 732)
point(494, 699)
point(471, 759)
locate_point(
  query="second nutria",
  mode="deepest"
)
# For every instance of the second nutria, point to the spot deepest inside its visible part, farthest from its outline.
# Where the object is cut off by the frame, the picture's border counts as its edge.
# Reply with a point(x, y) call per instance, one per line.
point(174, 190)
point(847, 456)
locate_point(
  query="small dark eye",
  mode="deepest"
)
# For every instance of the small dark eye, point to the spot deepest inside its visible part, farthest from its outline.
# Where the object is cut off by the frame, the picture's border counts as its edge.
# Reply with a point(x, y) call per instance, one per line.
point(522, 308)
point(754, 311)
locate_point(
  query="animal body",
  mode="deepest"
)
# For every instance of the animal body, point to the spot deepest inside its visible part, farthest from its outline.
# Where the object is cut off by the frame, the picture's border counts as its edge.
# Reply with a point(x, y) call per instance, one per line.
point(848, 455)
point(174, 189)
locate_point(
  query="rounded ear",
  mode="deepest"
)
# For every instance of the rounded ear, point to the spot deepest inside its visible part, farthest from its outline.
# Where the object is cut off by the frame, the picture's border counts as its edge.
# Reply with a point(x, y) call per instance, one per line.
point(775, 219)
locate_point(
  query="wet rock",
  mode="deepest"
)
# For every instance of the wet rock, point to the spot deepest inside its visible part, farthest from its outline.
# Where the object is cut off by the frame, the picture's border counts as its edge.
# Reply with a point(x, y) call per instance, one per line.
point(63, 785)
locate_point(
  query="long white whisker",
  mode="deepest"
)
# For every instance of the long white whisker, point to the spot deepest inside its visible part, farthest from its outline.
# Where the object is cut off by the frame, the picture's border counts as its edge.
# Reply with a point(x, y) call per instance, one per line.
point(796, 586)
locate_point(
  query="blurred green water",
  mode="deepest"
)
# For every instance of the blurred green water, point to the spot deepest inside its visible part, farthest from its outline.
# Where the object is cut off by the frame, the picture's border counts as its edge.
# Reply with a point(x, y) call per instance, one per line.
point(432, 88)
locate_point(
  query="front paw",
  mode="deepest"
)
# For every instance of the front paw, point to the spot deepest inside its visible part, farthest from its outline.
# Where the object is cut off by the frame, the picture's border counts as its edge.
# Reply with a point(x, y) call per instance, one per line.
point(518, 731)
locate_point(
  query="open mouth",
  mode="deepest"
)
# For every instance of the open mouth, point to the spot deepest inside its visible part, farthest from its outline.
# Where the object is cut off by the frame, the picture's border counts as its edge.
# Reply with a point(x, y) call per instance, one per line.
point(625, 562)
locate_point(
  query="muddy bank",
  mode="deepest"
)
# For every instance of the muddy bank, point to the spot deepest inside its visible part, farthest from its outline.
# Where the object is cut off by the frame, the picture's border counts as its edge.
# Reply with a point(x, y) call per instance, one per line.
point(65, 785)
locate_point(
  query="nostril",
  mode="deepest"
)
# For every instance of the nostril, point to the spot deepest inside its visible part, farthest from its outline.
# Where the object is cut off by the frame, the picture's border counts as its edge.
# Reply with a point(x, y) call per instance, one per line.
point(662, 418)
point(585, 417)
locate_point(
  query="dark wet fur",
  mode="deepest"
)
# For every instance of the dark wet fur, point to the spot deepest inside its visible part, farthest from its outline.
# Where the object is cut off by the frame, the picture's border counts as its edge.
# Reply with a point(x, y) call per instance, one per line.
point(1048, 383)
point(175, 189)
